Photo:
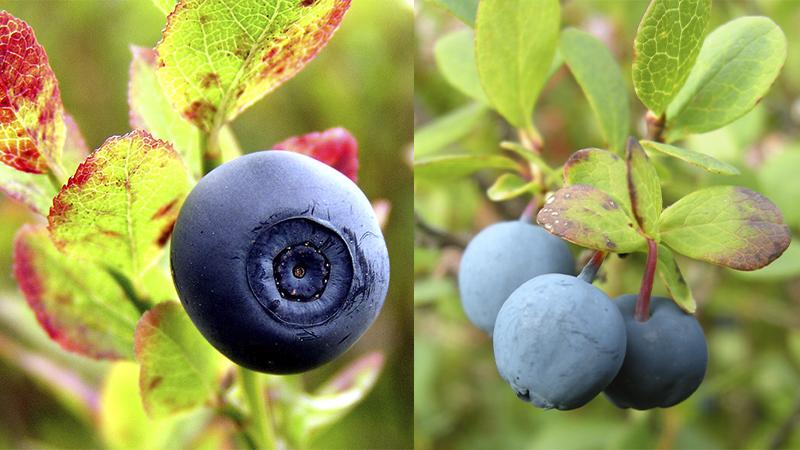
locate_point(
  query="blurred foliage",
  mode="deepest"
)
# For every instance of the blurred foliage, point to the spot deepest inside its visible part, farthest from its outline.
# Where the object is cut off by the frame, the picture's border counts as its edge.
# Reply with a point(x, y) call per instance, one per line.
point(361, 81)
point(751, 395)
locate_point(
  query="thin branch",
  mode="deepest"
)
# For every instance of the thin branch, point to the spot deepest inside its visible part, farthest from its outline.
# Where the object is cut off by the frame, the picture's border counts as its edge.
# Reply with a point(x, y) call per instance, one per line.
point(436, 237)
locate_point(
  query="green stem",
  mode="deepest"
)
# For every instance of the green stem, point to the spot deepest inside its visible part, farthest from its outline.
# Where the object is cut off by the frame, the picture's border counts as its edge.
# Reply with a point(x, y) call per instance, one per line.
point(130, 290)
point(530, 138)
point(209, 145)
point(254, 395)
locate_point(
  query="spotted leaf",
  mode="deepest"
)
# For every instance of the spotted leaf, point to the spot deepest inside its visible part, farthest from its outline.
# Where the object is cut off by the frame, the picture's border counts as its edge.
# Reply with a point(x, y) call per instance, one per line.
point(217, 57)
point(32, 129)
point(589, 217)
point(79, 306)
point(149, 109)
point(119, 207)
point(178, 366)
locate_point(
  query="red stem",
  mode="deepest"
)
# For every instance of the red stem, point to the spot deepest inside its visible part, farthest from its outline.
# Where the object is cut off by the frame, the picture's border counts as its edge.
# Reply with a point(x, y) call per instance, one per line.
point(590, 269)
point(529, 214)
point(642, 311)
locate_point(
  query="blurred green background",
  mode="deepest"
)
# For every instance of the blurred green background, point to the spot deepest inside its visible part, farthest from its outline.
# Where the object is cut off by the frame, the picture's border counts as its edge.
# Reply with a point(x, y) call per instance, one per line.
point(751, 395)
point(362, 81)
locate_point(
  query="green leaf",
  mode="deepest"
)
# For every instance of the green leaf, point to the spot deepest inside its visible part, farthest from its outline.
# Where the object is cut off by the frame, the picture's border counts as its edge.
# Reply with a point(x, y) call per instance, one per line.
point(32, 130)
point(784, 268)
point(725, 225)
point(508, 186)
point(119, 207)
point(666, 46)
point(644, 188)
point(601, 80)
point(217, 57)
point(123, 423)
point(463, 9)
point(692, 157)
point(673, 279)
point(178, 366)
point(79, 305)
point(778, 180)
point(447, 129)
point(589, 217)
point(455, 57)
point(455, 166)
point(310, 414)
point(601, 169)
point(150, 110)
point(515, 42)
point(736, 66)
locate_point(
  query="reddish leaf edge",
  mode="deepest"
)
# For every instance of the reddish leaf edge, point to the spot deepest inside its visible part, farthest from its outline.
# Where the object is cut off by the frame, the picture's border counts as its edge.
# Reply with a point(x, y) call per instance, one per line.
point(31, 285)
point(84, 172)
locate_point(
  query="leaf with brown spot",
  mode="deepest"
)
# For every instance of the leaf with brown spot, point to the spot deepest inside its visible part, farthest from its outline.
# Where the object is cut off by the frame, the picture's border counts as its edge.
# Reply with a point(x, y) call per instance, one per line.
point(589, 217)
point(150, 109)
point(644, 188)
point(601, 169)
point(211, 71)
point(179, 368)
point(119, 206)
point(726, 225)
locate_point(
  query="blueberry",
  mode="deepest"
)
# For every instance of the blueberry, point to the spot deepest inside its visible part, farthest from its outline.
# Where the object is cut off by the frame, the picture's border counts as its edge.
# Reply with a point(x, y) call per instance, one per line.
point(558, 341)
point(666, 356)
point(502, 257)
point(279, 261)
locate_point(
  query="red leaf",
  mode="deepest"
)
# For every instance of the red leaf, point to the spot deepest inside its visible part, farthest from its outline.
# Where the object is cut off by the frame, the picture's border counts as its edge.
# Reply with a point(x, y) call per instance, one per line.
point(31, 113)
point(335, 147)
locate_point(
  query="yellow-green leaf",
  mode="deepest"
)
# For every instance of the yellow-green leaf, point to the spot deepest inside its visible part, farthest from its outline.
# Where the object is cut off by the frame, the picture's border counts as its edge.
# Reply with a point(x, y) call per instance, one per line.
point(178, 366)
point(600, 78)
point(510, 185)
point(455, 166)
point(455, 57)
point(309, 414)
point(738, 63)
point(726, 225)
point(447, 129)
point(123, 423)
point(692, 157)
point(217, 57)
point(515, 41)
point(666, 46)
point(589, 217)
point(119, 207)
point(78, 304)
point(673, 279)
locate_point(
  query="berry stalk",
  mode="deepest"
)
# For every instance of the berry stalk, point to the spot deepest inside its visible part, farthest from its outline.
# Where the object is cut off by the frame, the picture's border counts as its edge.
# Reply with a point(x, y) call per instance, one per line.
point(642, 310)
